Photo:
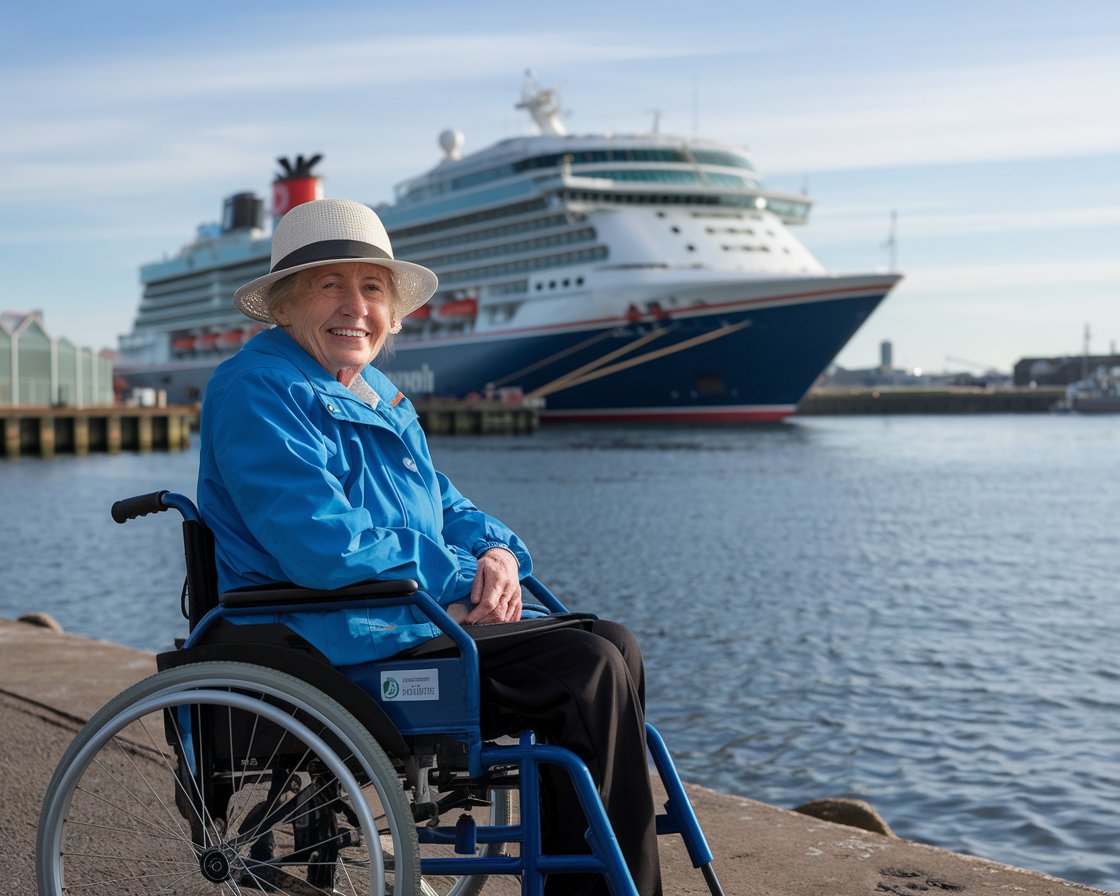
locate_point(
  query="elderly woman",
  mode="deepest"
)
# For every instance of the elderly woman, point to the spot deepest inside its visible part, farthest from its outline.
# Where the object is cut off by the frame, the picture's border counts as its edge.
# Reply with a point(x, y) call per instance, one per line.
point(314, 470)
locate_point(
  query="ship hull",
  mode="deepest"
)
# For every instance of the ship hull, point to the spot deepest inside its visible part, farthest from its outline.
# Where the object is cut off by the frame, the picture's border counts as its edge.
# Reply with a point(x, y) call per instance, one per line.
point(748, 357)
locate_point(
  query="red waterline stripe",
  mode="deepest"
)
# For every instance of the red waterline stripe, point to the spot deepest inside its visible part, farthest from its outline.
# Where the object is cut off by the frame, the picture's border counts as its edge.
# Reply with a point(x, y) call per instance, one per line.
point(761, 414)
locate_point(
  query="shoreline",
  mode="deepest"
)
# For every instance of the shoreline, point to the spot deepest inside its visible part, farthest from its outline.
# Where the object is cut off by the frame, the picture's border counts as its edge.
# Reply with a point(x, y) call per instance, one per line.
point(840, 400)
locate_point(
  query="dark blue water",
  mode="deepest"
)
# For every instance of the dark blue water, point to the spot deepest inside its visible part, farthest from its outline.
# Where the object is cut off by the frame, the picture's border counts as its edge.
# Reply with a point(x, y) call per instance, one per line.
point(921, 612)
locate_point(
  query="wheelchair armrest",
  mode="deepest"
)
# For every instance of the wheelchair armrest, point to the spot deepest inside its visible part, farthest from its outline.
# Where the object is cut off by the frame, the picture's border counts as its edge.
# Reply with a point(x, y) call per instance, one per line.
point(278, 595)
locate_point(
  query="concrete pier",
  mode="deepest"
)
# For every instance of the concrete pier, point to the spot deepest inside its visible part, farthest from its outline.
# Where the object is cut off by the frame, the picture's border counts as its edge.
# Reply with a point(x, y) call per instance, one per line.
point(51, 682)
point(47, 431)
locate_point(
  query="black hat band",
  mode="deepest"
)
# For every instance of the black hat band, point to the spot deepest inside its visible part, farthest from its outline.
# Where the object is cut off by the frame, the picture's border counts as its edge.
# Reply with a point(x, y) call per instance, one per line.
point(330, 250)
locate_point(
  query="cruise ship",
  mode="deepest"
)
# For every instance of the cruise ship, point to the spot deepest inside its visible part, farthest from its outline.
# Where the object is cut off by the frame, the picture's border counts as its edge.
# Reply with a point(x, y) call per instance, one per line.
point(640, 277)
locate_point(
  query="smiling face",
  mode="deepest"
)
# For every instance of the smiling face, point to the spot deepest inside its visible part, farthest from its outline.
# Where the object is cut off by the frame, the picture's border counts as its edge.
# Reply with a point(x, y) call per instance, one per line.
point(340, 314)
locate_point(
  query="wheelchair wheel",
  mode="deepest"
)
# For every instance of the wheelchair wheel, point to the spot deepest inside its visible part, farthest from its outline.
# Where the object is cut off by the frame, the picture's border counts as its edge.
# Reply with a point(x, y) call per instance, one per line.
point(499, 812)
point(226, 778)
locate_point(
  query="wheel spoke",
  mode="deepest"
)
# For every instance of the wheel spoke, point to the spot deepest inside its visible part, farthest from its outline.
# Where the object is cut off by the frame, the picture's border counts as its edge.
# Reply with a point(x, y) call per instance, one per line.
point(125, 815)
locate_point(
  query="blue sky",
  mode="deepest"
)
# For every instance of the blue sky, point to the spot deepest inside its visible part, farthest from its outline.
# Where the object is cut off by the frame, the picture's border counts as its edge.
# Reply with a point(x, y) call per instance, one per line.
point(990, 128)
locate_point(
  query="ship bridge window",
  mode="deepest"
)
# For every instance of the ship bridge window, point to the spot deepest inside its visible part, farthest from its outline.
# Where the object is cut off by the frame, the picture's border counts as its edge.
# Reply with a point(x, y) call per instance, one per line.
point(721, 157)
point(647, 175)
point(550, 160)
point(596, 156)
point(716, 179)
point(788, 210)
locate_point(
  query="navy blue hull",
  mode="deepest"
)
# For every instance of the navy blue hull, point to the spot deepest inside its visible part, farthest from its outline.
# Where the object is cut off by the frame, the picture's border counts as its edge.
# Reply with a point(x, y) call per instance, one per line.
point(742, 364)
point(747, 360)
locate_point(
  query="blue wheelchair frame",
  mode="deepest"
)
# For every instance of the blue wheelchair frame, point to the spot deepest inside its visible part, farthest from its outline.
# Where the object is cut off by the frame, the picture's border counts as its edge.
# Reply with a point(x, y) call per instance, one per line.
point(456, 714)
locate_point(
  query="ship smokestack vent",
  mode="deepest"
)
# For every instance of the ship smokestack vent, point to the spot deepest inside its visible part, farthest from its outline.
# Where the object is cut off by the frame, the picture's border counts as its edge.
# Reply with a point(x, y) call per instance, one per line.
point(295, 184)
point(242, 211)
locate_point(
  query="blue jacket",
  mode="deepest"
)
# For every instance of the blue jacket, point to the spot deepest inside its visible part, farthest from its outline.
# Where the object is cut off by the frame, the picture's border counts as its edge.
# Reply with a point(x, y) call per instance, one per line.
point(303, 481)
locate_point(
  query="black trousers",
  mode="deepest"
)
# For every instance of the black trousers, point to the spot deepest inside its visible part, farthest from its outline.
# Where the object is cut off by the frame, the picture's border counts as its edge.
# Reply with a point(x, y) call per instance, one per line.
point(584, 690)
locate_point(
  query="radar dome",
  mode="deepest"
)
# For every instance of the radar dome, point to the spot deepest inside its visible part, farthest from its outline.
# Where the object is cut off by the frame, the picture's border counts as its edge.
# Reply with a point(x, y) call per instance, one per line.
point(451, 142)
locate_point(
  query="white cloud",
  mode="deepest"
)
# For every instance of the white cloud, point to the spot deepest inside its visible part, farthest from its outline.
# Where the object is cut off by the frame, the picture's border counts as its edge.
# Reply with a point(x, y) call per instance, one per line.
point(192, 160)
point(368, 65)
point(1011, 277)
point(854, 224)
point(1023, 109)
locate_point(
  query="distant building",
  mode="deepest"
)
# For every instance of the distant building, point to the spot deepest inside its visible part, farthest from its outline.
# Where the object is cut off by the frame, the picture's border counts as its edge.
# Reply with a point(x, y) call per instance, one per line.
point(1060, 371)
point(38, 370)
point(876, 377)
point(886, 355)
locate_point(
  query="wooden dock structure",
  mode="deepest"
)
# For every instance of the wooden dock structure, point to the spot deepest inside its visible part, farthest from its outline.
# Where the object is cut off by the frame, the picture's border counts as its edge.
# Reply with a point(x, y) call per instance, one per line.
point(446, 417)
point(47, 431)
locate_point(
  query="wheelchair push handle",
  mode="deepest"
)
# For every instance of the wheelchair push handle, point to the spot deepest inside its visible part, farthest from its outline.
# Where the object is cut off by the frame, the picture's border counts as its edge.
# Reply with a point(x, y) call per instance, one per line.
point(140, 505)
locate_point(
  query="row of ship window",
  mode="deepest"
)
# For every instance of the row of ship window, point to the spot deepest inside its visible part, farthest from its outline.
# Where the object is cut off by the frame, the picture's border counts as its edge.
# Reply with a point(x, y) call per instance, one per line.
point(402, 235)
point(579, 256)
point(202, 284)
point(580, 235)
point(489, 233)
point(664, 176)
point(565, 283)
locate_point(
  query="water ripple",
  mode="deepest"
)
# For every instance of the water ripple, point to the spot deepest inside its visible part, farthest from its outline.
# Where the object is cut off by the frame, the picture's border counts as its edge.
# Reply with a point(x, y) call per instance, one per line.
point(920, 612)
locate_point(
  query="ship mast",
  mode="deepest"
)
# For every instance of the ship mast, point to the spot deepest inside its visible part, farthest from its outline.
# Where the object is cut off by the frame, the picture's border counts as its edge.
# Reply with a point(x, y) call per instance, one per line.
point(892, 242)
point(544, 105)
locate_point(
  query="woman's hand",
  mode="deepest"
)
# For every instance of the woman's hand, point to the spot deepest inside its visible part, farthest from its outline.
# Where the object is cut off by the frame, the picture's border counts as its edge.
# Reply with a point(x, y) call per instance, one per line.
point(496, 589)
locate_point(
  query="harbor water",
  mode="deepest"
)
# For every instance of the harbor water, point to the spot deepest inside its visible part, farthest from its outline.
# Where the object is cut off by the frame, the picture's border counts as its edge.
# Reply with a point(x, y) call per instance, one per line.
point(920, 611)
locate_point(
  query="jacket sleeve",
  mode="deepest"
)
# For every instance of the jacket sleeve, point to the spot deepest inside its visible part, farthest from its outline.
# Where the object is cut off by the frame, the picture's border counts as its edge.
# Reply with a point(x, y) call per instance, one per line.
point(476, 532)
point(274, 463)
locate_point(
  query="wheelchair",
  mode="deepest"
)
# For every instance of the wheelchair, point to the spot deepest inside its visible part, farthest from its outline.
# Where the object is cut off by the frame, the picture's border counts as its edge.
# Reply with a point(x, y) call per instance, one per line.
point(248, 764)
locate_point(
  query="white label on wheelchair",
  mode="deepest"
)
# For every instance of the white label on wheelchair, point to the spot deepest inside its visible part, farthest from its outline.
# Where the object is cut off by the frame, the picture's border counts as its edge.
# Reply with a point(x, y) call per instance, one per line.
point(410, 684)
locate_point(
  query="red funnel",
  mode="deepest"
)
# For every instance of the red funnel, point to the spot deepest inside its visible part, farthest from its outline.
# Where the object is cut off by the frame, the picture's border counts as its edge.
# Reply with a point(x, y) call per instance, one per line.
point(296, 185)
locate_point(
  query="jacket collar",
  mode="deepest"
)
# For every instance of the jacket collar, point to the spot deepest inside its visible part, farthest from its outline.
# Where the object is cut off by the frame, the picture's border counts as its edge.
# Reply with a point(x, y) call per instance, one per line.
point(337, 399)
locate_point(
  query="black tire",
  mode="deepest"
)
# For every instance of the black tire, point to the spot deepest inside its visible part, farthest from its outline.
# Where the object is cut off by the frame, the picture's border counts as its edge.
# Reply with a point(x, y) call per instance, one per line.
point(125, 814)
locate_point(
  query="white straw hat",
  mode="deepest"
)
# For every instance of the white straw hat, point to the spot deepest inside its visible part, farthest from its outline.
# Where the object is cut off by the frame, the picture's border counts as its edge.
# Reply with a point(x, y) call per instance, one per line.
point(328, 231)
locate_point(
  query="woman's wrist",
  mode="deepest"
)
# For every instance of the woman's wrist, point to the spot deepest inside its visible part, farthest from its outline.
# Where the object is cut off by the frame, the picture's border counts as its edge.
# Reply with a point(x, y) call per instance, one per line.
point(484, 547)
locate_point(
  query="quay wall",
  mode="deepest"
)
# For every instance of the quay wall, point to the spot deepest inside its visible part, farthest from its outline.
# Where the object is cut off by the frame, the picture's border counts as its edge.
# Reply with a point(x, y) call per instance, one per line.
point(51, 682)
point(47, 431)
point(949, 400)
